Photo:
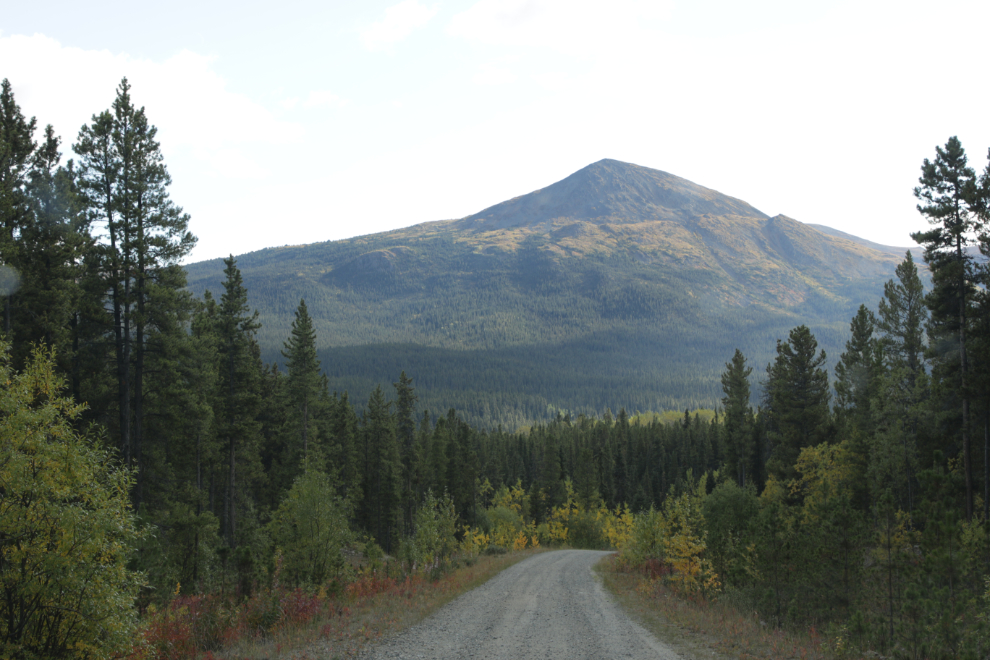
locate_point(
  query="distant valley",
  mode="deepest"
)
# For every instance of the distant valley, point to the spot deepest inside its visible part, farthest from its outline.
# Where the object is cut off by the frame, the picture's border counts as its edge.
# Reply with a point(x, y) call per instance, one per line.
point(619, 286)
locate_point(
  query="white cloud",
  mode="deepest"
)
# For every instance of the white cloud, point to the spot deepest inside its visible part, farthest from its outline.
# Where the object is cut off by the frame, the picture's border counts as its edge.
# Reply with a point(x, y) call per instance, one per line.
point(572, 26)
point(323, 99)
point(183, 95)
point(492, 74)
point(400, 21)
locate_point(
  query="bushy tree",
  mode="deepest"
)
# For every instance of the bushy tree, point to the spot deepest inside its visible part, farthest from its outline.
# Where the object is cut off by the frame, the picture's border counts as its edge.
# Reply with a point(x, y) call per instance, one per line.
point(310, 529)
point(66, 527)
point(433, 538)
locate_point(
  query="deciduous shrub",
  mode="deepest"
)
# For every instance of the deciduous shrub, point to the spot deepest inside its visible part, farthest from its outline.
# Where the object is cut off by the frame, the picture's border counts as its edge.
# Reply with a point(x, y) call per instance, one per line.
point(310, 529)
point(66, 527)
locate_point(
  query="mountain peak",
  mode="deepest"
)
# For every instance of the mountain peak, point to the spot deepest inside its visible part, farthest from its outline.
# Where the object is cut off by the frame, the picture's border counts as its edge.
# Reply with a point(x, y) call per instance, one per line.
point(611, 191)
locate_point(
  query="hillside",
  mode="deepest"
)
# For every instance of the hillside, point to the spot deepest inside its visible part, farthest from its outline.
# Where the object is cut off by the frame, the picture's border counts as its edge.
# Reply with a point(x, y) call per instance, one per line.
point(617, 286)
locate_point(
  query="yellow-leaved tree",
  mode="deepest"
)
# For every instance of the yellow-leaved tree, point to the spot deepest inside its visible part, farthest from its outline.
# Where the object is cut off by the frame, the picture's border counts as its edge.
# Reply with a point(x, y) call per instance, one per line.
point(675, 536)
point(66, 526)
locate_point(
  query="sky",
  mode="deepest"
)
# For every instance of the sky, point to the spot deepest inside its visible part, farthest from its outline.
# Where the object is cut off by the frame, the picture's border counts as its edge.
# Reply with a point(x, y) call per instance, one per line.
point(300, 122)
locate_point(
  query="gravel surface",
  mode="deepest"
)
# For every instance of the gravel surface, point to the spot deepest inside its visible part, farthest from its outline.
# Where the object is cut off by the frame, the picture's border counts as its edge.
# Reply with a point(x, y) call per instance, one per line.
point(548, 606)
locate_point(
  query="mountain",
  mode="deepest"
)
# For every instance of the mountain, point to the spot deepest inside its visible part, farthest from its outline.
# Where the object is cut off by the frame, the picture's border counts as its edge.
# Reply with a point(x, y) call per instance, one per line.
point(619, 286)
point(896, 251)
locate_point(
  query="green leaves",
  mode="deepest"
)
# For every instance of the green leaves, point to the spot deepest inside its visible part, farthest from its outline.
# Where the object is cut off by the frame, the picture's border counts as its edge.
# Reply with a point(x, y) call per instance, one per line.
point(66, 528)
point(310, 529)
point(434, 523)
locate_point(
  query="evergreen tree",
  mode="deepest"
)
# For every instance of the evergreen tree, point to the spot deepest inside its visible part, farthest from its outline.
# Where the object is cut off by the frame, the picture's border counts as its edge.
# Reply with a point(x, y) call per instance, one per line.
point(17, 149)
point(462, 468)
point(181, 455)
point(901, 317)
point(950, 199)
point(902, 386)
point(238, 380)
point(303, 387)
point(344, 459)
point(52, 248)
point(856, 371)
point(124, 183)
point(406, 432)
point(382, 475)
point(798, 395)
point(738, 418)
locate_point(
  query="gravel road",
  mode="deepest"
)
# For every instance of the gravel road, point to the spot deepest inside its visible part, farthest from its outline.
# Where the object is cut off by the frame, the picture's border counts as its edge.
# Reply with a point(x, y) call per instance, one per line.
point(548, 606)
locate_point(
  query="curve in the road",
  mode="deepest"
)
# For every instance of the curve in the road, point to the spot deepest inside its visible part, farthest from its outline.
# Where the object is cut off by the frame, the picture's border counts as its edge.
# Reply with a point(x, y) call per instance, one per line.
point(549, 606)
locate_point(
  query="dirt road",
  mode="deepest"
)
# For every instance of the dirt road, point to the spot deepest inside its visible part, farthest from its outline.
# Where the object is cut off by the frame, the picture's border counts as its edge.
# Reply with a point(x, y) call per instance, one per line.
point(548, 606)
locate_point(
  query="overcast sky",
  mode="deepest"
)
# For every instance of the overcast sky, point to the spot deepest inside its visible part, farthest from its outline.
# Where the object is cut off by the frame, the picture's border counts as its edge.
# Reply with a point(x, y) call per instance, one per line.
point(299, 122)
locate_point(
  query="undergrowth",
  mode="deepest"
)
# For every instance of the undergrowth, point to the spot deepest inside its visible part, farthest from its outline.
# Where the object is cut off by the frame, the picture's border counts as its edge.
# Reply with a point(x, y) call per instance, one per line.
point(696, 625)
point(300, 624)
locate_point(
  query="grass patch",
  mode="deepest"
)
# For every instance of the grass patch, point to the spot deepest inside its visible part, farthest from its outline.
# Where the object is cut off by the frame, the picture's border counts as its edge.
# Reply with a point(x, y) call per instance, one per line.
point(696, 627)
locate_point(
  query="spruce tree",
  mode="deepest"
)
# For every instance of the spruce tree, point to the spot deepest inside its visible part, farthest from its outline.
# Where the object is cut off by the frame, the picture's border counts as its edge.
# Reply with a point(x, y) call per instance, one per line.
point(901, 317)
point(738, 418)
point(43, 238)
point(344, 458)
point(950, 199)
point(302, 387)
point(856, 371)
point(406, 433)
point(238, 380)
point(53, 245)
point(17, 148)
point(902, 387)
point(798, 398)
point(381, 512)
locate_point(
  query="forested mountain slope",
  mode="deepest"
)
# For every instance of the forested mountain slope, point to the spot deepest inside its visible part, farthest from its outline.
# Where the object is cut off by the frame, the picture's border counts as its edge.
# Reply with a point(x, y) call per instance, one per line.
point(617, 286)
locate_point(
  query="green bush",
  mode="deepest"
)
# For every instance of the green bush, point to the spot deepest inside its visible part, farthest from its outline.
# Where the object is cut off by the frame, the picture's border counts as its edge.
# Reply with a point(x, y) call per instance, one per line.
point(729, 512)
point(310, 528)
point(66, 526)
point(433, 540)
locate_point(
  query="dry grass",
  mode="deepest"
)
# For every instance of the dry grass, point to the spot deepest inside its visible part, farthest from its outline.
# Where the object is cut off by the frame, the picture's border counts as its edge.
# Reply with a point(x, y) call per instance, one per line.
point(369, 610)
point(698, 628)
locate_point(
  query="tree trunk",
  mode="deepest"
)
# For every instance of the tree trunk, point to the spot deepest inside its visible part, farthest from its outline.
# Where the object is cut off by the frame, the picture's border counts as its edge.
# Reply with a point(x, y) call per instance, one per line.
point(967, 459)
point(305, 431)
point(139, 324)
point(231, 525)
point(138, 409)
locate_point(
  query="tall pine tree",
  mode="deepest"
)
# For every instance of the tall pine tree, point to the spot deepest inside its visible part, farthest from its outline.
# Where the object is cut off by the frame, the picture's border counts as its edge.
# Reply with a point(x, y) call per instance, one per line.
point(949, 198)
point(124, 183)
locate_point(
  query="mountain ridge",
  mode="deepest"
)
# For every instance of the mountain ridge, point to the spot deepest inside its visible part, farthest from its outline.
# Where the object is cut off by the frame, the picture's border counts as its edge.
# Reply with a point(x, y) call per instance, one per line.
point(649, 271)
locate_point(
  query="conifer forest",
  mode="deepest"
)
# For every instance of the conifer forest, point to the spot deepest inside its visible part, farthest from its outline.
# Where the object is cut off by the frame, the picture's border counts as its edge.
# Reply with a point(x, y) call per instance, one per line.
point(149, 454)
